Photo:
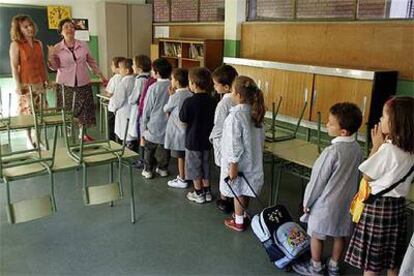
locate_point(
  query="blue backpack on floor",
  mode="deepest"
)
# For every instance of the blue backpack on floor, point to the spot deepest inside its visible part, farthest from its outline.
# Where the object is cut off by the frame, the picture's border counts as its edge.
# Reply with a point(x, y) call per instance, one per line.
point(284, 240)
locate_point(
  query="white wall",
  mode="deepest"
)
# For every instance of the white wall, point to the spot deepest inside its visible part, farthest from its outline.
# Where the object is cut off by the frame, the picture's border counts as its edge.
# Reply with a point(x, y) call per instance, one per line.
point(80, 8)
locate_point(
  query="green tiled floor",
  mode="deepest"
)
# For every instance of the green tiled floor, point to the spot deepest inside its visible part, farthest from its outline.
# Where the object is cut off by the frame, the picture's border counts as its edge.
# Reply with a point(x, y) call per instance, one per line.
point(171, 236)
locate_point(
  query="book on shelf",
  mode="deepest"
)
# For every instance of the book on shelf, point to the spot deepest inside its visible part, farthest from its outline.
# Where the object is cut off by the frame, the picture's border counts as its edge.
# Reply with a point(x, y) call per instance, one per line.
point(172, 49)
point(196, 51)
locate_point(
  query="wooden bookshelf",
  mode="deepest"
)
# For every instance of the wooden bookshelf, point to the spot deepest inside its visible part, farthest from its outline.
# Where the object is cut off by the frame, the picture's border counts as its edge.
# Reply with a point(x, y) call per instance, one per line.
point(194, 52)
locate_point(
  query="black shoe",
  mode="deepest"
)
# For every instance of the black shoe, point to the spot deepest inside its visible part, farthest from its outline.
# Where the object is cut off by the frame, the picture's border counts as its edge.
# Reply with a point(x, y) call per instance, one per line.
point(224, 205)
point(138, 164)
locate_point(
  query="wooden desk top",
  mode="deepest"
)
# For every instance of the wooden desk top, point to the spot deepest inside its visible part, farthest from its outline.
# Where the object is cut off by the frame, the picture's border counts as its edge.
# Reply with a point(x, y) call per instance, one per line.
point(295, 151)
point(19, 122)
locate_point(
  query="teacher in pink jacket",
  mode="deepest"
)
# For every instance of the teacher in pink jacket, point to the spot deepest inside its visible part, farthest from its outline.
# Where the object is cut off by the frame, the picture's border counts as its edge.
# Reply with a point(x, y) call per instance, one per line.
point(72, 61)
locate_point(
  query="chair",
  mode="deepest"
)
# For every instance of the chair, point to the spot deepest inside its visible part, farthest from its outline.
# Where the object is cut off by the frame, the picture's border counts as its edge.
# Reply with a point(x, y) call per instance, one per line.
point(25, 164)
point(97, 153)
point(52, 116)
point(291, 132)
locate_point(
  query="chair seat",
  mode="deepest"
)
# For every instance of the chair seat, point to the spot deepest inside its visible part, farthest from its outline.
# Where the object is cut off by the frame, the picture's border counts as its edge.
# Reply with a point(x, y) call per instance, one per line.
point(99, 194)
point(30, 209)
point(24, 170)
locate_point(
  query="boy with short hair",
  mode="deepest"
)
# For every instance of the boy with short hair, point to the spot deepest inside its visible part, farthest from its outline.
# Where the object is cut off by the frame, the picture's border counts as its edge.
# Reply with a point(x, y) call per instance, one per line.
point(333, 184)
point(154, 121)
point(175, 133)
point(223, 78)
point(110, 90)
point(198, 113)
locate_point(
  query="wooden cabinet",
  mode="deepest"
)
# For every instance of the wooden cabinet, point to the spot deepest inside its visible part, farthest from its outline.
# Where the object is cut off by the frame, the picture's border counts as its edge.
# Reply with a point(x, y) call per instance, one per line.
point(124, 30)
point(329, 90)
point(320, 86)
point(188, 53)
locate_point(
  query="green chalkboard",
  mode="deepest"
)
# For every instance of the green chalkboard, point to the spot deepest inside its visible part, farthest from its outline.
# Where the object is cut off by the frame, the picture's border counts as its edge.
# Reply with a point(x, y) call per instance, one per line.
point(39, 16)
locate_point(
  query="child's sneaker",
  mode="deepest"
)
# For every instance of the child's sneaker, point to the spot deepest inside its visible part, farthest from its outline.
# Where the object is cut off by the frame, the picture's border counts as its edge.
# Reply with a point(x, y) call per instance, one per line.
point(307, 268)
point(177, 183)
point(146, 174)
point(162, 173)
point(193, 196)
point(209, 196)
point(231, 223)
point(333, 270)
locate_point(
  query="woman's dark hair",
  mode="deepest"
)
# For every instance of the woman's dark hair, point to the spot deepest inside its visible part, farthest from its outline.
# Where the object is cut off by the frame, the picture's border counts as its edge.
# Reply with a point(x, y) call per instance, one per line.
point(143, 62)
point(251, 94)
point(349, 116)
point(181, 75)
point(62, 22)
point(401, 118)
point(224, 74)
point(201, 77)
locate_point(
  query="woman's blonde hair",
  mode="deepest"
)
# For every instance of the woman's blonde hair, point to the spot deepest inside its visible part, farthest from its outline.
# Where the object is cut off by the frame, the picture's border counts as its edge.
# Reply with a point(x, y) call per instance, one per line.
point(15, 32)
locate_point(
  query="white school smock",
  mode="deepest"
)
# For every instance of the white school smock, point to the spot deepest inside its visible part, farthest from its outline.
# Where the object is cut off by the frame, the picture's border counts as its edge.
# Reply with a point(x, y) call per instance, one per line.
point(133, 101)
point(387, 166)
point(242, 143)
point(113, 82)
point(120, 106)
point(221, 113)
point(175, 132)
point(332, 185)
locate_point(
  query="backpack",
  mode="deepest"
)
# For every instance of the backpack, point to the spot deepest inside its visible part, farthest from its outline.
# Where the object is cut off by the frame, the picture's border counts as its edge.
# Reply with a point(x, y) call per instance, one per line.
point(283, 239)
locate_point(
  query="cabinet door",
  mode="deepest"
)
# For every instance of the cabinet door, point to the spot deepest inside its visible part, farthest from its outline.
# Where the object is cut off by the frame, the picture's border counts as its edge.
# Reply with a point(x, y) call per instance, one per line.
point(330, 90)
point(140, 29)
point(116, 31)
point(297, 88)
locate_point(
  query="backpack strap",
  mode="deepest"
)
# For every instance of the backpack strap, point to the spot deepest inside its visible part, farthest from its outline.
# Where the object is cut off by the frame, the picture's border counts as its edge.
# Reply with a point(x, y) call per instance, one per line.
point(372, 197)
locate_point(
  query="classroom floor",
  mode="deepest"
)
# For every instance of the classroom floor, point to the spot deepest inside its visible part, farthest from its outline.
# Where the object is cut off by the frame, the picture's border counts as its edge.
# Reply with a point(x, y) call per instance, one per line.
point(172, 236)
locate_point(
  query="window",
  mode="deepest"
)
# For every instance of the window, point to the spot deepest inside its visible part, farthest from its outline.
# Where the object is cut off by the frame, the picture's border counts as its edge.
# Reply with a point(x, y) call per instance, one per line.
point(188, 10)
point(330, 9)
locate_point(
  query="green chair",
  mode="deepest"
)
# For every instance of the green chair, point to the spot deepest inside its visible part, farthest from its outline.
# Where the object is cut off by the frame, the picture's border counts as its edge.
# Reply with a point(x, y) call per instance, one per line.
point(16, 165)
point(99, 153)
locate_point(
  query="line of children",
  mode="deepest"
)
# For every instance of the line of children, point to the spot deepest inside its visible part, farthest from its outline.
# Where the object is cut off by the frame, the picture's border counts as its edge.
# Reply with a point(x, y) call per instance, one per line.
point(333, 184)
point(175, 132)
point(197, 113)
point(242, 148)
point(154, 121)
point(119, 101)
point(223, 78)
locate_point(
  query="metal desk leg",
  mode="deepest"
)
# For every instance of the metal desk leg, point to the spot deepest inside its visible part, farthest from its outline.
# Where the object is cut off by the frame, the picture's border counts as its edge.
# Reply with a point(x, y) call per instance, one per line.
point(131, 185)
point(272, 180)
point(278, 180)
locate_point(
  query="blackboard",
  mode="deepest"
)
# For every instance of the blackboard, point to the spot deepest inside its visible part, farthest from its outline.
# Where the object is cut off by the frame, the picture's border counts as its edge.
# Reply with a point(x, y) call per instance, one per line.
point(39, 16)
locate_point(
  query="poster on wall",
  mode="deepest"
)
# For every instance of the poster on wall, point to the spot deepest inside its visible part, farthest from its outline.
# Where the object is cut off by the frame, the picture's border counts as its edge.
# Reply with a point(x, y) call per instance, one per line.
point(81, 28)
point(55, 14)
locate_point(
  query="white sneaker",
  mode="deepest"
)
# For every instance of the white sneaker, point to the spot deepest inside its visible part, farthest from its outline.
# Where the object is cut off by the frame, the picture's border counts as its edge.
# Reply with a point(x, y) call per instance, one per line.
point(162, 173)
point(177, 183)
point(193, 196)
point(146, 174)
point(209, 197)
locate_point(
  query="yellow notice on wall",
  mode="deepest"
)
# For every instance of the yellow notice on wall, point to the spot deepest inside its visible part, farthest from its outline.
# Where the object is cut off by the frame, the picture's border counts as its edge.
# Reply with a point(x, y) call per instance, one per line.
point(55, 14)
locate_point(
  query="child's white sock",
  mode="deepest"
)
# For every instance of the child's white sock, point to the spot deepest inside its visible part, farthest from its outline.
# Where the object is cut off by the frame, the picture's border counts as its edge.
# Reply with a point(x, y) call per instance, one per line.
point(333, 263)
point(316, 264)
point(239, 219)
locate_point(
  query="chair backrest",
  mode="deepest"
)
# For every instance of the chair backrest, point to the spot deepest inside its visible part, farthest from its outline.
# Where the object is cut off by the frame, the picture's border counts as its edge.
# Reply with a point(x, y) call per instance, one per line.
point(79, 150)
point(30, 156)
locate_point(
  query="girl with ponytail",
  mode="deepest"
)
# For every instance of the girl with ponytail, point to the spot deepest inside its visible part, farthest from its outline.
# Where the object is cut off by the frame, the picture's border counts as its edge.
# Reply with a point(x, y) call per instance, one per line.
point(242, 149)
